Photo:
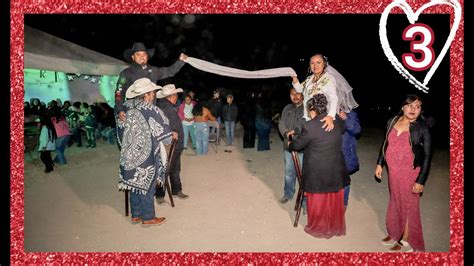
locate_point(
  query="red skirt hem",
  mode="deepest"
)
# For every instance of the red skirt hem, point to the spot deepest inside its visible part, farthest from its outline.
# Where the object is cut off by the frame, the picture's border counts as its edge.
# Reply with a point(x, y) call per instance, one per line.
point(325, 214)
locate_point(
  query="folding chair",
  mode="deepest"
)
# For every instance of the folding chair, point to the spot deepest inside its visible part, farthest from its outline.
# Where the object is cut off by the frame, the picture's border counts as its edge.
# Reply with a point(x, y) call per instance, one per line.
point(214, 134)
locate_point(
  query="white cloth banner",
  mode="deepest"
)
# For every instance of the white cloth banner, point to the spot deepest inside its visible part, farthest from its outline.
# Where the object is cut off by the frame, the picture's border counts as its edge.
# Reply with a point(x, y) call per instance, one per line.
point(239, 73)
point(346, 101)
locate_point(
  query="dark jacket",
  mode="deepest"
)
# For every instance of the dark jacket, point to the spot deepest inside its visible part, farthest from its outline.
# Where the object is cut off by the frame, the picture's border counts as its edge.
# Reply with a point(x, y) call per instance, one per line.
point(349, 141)
point(215, 106)
point(324, 168)
point(134, 72)
point(420, 142)
point(109, 118)
point(291, 119)
point(90, 121)
point(172, 114)
point(229, 112)
point(263, 110)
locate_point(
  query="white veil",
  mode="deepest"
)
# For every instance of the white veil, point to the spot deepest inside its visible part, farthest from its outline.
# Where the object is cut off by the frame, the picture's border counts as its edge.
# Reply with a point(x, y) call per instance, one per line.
point(344, 91)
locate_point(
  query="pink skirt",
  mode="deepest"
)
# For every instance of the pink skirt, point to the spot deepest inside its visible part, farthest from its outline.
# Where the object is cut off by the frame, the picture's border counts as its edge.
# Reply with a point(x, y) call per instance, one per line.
point(325, 214)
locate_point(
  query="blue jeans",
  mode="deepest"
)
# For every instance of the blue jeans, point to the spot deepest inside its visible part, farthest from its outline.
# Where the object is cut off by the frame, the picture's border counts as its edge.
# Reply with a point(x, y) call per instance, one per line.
point(189, 130)
point(290, 173)
point(98, 131)
point(60, 147)
point(347, 189)
point(201, 129)
point(229, 131)
point(143, 206)
point(110, 134)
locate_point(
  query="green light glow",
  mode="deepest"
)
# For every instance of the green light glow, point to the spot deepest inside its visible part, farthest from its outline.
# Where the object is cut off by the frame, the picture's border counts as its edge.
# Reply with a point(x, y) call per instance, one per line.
point(105, 89)
point(49, 85)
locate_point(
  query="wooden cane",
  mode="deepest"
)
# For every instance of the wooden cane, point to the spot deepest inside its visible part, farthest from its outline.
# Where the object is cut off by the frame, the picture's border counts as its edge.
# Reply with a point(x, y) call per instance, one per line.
point(126, 202)
point(168, 170)
point(167, 185)
point(299, 197)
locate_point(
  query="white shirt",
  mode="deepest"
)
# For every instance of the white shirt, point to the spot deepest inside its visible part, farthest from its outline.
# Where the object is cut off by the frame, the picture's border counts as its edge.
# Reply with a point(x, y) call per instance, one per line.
point(326, 85)
point(45, 143)
point(188, 113)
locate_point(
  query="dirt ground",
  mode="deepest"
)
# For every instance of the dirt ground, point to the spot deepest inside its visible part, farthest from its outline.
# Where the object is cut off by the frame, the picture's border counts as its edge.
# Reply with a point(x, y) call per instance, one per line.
point(233, 205)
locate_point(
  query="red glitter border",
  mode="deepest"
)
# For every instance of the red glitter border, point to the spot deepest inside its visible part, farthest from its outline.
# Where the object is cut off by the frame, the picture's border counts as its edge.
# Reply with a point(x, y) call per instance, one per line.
point(19, 8)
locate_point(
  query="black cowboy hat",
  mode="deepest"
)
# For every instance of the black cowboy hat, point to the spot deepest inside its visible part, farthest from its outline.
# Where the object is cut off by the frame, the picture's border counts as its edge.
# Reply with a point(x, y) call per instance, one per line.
point(137, 47)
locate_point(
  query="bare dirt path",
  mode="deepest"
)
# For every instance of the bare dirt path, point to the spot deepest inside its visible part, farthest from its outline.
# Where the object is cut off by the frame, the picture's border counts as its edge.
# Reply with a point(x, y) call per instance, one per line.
point(233, 205)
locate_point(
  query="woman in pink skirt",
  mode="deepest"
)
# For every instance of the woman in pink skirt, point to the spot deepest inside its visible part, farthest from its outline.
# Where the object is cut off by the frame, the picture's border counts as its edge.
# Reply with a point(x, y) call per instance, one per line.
point(324, 171)
point(407, 153)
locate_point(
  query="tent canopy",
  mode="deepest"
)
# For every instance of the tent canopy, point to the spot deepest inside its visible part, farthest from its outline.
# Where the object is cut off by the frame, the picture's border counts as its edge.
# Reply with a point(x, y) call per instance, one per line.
point(47, 52)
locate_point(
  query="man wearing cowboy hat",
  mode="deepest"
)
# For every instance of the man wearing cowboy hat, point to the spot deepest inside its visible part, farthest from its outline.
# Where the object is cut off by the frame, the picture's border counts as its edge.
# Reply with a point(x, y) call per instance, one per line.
point(144, 135)
point(167, 98)
point(138, 56)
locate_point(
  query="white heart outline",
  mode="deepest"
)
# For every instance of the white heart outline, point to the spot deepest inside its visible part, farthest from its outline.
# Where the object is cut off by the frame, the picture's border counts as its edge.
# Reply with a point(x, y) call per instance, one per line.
point(412, 18)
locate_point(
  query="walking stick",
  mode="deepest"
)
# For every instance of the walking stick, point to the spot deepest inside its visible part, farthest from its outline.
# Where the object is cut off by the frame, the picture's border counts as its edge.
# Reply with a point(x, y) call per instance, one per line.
point(126, 202)
point(168, 170)
point(299, 197)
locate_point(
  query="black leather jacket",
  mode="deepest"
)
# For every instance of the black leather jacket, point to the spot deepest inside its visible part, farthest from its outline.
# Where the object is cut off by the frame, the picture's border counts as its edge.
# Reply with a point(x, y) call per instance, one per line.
point(420, 142)
point(136, 71)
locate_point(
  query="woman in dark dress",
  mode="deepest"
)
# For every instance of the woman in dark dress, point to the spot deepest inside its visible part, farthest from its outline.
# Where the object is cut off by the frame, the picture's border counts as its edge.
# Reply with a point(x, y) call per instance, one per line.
point(324, 171)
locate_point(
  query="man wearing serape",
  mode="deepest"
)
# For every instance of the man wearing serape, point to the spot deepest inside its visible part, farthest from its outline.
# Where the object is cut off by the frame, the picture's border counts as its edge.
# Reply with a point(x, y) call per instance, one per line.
point(143, 155)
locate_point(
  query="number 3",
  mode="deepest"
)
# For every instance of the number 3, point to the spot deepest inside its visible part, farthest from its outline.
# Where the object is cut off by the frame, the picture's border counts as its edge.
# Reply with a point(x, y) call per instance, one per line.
point(422, 47)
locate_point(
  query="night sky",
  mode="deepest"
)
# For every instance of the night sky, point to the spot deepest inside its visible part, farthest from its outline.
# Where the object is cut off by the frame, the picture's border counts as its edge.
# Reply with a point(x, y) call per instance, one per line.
point(253, 42)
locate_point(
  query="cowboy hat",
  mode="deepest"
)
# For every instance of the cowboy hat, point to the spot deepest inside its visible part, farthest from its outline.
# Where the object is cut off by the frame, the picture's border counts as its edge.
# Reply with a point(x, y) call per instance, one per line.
point(137, 47)
point(168, 90)
point(141, 86)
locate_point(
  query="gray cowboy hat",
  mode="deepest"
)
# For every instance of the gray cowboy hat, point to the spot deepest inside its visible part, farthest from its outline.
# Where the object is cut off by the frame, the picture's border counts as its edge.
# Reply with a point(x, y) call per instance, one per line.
point(140, 87)
point(137, 47)
point(168, 90)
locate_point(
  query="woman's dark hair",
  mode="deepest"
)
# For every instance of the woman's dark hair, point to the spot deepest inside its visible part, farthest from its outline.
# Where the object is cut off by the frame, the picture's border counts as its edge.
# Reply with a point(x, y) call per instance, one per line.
point(35, 101)
point(27, 108)
point(197, 109)
point(77, 105)
point(317, 103)
point(66, 104)
point(53, 103)
point(410, 98)
point(56, 113)
point(45, 120)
